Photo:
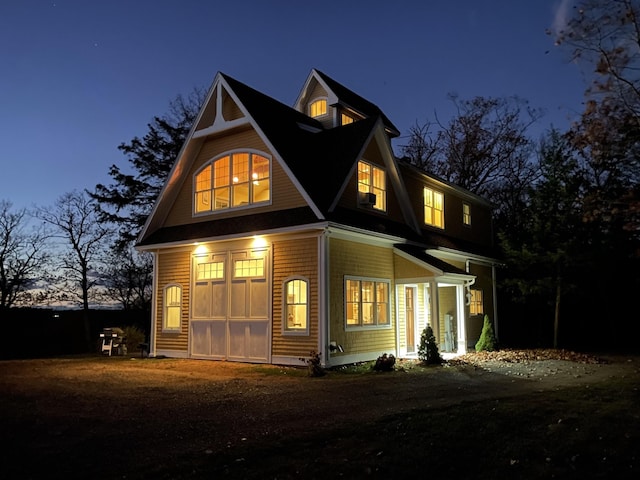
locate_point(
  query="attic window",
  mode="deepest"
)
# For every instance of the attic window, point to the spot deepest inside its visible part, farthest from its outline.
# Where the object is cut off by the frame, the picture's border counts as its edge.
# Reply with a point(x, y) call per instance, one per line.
point(345, 119)
point(318, 108)
point(237, 179)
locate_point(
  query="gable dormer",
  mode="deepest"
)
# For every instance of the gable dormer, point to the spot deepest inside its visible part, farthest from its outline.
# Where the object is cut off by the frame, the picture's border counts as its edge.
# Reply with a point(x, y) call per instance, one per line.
point(333, 104)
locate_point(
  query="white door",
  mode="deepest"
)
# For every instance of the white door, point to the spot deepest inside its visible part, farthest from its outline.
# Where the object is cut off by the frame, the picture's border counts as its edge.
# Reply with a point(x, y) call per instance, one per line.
point(230, 307)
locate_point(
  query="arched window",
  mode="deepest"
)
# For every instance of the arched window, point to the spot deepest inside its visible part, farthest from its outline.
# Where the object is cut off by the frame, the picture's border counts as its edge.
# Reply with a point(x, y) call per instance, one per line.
point(296, 306)
point(318, 108)
point(233, 180)
point(172, 315)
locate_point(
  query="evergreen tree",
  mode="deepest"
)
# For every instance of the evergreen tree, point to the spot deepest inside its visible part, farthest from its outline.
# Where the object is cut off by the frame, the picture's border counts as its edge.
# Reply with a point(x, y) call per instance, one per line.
point(128, 200)
point(487, 341)
point(428, 350)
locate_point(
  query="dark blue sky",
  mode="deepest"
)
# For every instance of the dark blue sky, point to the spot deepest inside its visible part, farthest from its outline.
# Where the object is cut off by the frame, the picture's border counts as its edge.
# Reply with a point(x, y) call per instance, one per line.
point(79, 77)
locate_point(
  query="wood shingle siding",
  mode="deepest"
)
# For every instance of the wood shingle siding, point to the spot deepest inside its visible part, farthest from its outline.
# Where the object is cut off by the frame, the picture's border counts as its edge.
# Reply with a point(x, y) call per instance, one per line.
point(350, 258)
point(173, 268)
point(295, 257)
point(283, 193)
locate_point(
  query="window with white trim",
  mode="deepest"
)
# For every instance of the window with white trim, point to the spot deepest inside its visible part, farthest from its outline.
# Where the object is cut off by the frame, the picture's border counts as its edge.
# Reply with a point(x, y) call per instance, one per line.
point(366, 303)
point(296, 306)
point(476, 303)
point(433, 207)
point(172, 315)
point(233, 180)
point(466, 214)
point(372, 180)
point(318, 108)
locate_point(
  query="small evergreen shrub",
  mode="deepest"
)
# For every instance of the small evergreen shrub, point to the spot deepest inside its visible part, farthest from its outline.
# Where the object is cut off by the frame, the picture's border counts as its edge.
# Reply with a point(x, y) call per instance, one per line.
point(385, 363)
point(428, 352)
point(313, 364)
point(487, 341)
point(133, 337)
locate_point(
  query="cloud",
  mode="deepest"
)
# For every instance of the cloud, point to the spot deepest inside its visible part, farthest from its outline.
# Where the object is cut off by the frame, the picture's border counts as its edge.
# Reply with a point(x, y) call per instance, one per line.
point(561, 13)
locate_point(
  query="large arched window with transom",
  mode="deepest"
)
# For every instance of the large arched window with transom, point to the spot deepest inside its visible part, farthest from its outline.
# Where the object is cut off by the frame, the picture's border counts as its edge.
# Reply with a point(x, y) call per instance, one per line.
point(234, 180)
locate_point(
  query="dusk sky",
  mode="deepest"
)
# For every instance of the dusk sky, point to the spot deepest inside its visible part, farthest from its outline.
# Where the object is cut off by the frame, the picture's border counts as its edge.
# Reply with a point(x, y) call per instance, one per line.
point(80, 77)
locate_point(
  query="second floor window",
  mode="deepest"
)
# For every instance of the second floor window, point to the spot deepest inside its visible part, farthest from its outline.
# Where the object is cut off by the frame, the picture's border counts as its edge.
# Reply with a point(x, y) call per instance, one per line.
point(372, 179)
point(234, 180)
point(318, 108)
point(466, 214)
point(433, 208)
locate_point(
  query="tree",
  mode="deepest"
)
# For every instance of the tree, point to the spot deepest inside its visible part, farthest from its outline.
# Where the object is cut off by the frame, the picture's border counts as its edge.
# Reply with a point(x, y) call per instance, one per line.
point(75, 219)
point(128, 200)
point(545, 252)
point(604, 35)
point(22, 254)
point(128, 278)
point(483, 149)
point(487, 341)
point(428, 352)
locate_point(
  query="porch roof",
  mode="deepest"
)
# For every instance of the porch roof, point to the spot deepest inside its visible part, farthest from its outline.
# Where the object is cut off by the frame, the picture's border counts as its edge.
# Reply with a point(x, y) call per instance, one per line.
point(419, 253)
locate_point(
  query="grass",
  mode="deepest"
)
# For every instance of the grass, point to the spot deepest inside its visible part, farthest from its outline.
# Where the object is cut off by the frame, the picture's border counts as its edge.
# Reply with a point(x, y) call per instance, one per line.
point(581, 433)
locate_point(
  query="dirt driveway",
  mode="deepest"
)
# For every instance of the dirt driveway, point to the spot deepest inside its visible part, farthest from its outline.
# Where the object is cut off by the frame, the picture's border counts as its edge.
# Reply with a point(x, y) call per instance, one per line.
point(102, 416)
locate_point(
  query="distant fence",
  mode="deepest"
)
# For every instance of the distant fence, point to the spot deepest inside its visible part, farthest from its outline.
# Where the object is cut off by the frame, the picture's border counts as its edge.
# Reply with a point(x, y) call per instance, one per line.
point(36, 333)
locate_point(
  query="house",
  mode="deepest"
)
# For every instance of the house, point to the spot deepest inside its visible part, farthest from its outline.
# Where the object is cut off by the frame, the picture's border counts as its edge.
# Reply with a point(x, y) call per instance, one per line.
point(286, 230)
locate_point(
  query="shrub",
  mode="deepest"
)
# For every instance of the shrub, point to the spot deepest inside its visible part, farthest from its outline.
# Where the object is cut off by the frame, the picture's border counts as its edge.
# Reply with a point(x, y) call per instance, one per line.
point(313, 364)
point(428, 352)
point(385, 363)
point(133, 337)
point(487, 341)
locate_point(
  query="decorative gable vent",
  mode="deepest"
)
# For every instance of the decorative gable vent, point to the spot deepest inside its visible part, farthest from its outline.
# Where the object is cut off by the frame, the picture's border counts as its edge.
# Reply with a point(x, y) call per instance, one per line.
point(366, 198)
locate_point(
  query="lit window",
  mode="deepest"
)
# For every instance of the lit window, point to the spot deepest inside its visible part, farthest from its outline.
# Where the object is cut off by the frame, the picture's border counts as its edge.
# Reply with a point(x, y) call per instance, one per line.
point(367, 303)
point(466, 214)
point(318, 108)
point(476, 305)
point(296, 306)
point(172, 308)
point(346, 119)
point(209, 270)
point(433, 208)
point(372, 179)
point(234, 180)
point(251, 267)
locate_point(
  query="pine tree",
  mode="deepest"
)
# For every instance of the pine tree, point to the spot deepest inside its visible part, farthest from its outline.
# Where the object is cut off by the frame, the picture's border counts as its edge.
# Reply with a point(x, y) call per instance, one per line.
point(428, 350)
point(487, 341)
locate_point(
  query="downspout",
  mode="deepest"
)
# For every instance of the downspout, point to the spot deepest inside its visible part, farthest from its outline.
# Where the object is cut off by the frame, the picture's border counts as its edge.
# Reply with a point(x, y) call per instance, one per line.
point(154, 303)
point(495, 301)
point(323, 298)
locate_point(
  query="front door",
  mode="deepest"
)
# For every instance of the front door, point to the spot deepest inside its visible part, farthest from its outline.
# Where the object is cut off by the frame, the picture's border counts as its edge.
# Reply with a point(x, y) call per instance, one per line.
point(410, 319)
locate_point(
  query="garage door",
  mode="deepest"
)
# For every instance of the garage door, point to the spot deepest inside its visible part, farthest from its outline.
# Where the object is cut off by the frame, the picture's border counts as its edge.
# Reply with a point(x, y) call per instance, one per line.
point(230, 306)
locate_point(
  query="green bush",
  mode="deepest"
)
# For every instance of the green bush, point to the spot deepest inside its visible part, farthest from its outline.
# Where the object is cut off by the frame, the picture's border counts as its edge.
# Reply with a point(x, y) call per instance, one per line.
point(487, 341)
point(133, 337)
point(385, 363)
point(428, 351)
point(314, 365)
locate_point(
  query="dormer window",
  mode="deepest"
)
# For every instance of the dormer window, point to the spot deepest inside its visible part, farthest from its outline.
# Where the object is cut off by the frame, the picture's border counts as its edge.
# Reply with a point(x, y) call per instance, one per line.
point(318, 108)
point(345, 119)
point(372, 186)
point(234, 180)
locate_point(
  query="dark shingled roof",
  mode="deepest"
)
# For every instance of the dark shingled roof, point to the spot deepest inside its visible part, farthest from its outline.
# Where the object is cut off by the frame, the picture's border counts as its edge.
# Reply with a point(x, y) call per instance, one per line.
point(355, 101)
point(245, 224)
